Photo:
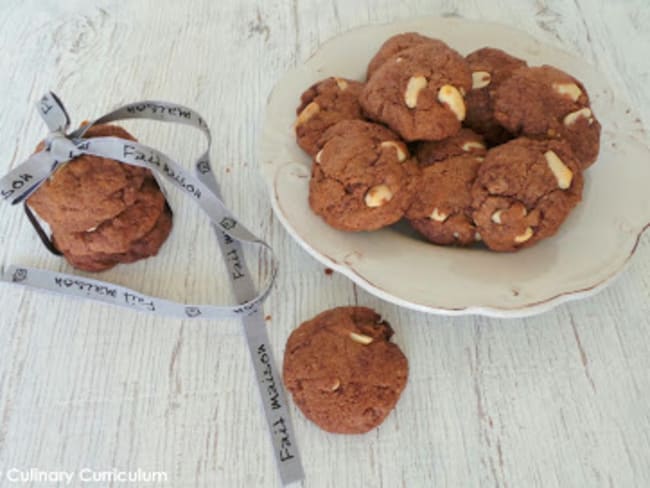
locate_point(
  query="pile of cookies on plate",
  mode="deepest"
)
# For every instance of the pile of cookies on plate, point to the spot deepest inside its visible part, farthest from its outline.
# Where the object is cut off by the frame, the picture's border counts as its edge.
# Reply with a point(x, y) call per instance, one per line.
point(476, 149)
point(102, 212)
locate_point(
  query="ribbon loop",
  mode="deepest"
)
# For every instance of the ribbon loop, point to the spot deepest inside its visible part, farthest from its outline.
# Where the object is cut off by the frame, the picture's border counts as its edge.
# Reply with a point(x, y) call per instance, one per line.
point(53, 113)
point(24, 179)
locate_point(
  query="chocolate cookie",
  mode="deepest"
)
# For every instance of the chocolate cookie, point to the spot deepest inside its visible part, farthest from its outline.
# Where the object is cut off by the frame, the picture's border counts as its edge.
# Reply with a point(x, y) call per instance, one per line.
point(395, 45)
point(549, 103)
point(149, 244)
point(419, 92)
point(146, 246)
point(342, 371)
point(362, 179)
point(490, 67)
point(523, 192)
point(442, 209)
point(465, 141)
point(115, 236)
point(324, 104)
point(88, 190)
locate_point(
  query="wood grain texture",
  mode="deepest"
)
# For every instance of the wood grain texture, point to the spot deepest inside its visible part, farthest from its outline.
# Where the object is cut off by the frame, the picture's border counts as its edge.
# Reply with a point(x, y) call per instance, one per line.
point(556, 400)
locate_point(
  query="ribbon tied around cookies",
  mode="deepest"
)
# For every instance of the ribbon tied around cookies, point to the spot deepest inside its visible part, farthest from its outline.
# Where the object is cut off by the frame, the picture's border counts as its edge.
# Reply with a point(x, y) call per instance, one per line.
point(62, 146)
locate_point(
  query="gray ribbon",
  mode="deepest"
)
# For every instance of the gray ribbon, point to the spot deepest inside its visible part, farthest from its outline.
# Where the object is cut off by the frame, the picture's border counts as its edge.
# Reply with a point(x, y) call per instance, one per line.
point(61, 147)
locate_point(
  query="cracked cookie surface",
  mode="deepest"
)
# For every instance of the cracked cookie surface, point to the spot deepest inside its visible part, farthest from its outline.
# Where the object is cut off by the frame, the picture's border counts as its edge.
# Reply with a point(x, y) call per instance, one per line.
point(464, 142)
point(490, 67)
point(342, 371)
point(144, 247)
point(395, 45)
point(442, 211)
point(115, 236)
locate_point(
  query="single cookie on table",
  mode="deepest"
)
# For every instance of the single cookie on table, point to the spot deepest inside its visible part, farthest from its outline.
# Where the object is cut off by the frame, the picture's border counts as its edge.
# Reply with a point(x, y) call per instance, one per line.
point(115, 235)
point(363, 178)
point(547, 102)
point(321, 106)
point(490, 67)
point(395, 45)
point(442, 209)
point(342, 371)
point(465, 142)
point(524, 191)
point(147, 246)
point(419, 93)
point(89, 189)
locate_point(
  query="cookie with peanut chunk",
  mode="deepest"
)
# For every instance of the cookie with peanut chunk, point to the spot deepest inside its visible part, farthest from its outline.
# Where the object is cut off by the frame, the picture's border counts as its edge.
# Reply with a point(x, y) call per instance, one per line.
point(442, 209)
point(464, 143)
point(363, 179)
point(523, 192)
point(547, 102)
point(321, 106)
point(490, 67)
point(343, 372)
point(419, 92)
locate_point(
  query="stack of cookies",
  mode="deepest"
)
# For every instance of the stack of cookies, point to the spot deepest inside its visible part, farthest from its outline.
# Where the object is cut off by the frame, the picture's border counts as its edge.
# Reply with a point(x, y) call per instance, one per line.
point(102, 212)
point(472, 149)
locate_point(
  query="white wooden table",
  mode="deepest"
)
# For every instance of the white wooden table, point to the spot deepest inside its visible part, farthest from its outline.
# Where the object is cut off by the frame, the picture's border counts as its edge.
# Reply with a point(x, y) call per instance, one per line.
point(557, 400)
